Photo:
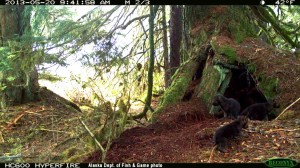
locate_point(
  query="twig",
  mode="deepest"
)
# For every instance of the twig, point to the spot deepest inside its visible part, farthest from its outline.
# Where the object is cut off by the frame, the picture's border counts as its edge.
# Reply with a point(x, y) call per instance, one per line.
point(139, 122)
point(92, 135)
point(134, 19)
point(149, 107)
point(287, 108)
point(14, 121)
point(43, 129)
point(287, 130)
point(249, 146)
point(36, 113)
point(211, 157)
point(251, 131)
point(1, 138)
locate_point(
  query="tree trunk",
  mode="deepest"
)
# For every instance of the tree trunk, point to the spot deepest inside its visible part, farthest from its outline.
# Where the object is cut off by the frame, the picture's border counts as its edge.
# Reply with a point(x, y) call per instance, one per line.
point(166, 49)
point(175, 37)
point(20, 77)
point(151, 64)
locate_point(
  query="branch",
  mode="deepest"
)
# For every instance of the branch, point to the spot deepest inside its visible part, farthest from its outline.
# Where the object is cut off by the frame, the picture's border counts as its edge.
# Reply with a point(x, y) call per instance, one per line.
point(266, 32)
point(92, 135)
point(135, 19)
point(151, 64)
point(262, 14)
point(1, 138)
point(287, 108)
point(150, 108)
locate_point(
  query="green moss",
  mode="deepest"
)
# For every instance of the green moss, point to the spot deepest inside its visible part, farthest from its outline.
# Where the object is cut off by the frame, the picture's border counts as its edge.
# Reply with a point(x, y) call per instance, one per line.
point(77, 158)
point(269, 86)
point(184, 54)
point(238, 35)
point(174, 93)
point(86, 108)
point(70, 155)
point(213, 43)
point(209, 85)
point(215, 79)
point(176, 90)
point(203, 37)
point(240, 32)
point(240, 26)
point(229, 52)
point(251, 68)
point(200, 38)
point(223, 73)
point(225, 81)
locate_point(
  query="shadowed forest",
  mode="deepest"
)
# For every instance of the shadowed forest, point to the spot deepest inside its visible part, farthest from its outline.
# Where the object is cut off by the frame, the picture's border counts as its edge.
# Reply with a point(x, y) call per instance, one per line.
point(149, 84)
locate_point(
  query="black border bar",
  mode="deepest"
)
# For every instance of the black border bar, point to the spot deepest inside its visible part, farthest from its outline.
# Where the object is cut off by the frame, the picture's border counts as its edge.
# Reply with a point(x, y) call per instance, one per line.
point(136, 165)
point(150, 2)
point(130, 165)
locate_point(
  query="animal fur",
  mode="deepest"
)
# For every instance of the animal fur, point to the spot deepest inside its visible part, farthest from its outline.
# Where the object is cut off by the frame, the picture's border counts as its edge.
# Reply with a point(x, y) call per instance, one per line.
point(230, 106)
point(230, 130)
point(258, 111)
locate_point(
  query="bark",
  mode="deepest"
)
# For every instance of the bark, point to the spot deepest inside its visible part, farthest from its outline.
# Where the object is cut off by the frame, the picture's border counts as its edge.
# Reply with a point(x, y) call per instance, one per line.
point(175, 37)
point(166, 49)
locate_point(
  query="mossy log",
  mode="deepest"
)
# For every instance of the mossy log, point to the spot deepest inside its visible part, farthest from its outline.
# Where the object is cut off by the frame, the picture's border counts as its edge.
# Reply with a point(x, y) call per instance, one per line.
point(180, 82)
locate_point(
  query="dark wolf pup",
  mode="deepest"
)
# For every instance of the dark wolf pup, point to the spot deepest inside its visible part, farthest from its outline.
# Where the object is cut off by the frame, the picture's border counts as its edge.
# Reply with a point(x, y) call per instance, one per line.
point(230, 106)
point(226, 132)
point(259, 111)
point(230, 130)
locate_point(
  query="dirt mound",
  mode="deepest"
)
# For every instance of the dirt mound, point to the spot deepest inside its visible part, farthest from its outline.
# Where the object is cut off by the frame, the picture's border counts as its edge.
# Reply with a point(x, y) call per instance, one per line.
point(171, 139)
point(275, 71)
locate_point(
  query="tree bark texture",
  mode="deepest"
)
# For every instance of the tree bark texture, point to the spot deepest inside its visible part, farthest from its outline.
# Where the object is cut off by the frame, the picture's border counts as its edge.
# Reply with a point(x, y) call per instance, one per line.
point(175, 37)
point(166, 49)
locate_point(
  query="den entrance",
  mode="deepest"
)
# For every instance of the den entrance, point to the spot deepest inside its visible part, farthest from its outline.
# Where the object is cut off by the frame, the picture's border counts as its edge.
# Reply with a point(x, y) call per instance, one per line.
point(243, 88)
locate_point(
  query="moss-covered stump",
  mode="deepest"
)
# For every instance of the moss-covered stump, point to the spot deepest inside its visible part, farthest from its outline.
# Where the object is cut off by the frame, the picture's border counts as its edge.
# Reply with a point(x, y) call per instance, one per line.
point(180, 82)
point(215, 77)
point(276, 73)
point(208, 23)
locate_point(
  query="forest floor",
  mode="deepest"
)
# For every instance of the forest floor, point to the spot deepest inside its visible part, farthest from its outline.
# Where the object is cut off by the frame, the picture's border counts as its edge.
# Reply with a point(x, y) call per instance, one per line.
point(47, 131)
point(184, 133)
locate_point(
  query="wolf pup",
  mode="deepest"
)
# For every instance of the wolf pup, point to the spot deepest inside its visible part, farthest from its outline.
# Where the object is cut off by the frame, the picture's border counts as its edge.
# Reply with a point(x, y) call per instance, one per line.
point(230, 130)
point(230, 106)
point(258, 111)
